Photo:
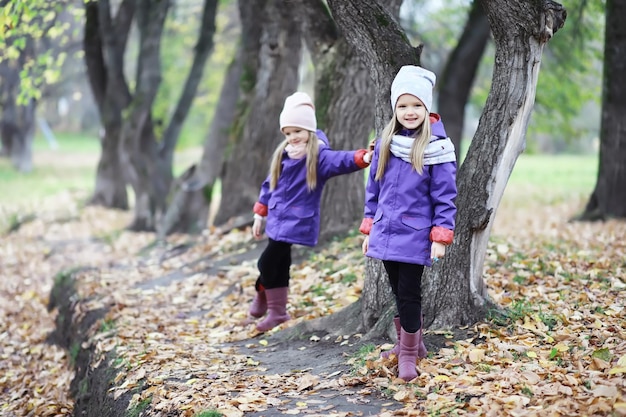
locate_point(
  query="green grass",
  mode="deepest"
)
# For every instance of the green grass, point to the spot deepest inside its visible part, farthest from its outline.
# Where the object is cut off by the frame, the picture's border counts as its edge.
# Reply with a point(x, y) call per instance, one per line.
point(566, 172)
point(72, 166)
point(69, 167)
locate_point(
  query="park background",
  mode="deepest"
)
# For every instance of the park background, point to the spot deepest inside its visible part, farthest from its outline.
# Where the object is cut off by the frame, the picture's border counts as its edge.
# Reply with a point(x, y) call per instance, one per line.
point(552, 355)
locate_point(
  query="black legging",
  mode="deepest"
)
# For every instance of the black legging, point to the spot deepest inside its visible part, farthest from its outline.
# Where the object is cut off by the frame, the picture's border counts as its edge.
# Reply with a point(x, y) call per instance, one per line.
point(406, 284)
point(274, 264)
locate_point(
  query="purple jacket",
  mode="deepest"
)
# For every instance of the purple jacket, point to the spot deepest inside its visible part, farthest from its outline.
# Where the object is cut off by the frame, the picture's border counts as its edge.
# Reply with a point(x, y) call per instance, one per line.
point(293, 212)
point(405, 206)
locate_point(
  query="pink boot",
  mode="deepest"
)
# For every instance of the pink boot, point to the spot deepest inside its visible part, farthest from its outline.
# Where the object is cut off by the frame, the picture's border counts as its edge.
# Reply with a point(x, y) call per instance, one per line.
point(277, 308)
point(409, 347)
point(421, 353)
point(396, 349)
point(258, 308)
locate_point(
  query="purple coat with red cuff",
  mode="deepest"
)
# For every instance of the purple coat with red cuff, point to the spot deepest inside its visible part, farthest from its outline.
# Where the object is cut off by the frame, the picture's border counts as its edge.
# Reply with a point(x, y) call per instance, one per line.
point(293, 212)
point(405, 210)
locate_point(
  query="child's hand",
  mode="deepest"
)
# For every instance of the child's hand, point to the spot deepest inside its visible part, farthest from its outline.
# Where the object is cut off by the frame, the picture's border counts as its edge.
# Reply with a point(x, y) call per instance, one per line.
point(372, 145)
point(437, 251)
point(257, 228)
point(366, 244)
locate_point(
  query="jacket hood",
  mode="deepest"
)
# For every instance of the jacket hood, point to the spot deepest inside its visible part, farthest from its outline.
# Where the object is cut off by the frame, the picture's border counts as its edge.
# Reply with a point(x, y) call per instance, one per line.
point(322, 136)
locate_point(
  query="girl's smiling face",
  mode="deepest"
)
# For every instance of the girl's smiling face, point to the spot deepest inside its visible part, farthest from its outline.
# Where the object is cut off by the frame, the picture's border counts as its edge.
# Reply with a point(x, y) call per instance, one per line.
point(296, 135)
point(410, 111)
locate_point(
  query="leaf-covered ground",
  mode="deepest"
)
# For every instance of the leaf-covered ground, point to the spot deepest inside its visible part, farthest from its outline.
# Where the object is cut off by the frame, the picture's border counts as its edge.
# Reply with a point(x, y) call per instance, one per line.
point(175, 330)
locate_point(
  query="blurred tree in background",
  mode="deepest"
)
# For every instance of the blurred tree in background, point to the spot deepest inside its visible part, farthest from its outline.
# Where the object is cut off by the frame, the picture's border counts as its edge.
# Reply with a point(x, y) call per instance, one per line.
point(37, 37)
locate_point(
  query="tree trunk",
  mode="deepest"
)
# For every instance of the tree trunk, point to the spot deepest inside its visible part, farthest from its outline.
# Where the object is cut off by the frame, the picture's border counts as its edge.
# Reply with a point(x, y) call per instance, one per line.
point(453, 292)
point(104, 46)
point(17, 123)
point(608, 199)
point(203, 49)
point(456, 81)
point(110, 188)
point(342, 84)
point(270, 74)
point(193, 193)
point(22, 141)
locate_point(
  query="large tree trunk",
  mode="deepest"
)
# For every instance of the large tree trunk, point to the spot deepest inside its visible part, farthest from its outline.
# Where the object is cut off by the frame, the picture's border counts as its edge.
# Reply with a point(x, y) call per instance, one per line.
point(104, 45)
point(456, 81)
point(271, 74)
point(150, 165)
point(608, 199)
point(342, 84)
point(453, 292)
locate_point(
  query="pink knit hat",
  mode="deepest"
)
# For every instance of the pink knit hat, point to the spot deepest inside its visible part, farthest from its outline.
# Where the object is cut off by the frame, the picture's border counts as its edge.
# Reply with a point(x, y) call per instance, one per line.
point(298, 111)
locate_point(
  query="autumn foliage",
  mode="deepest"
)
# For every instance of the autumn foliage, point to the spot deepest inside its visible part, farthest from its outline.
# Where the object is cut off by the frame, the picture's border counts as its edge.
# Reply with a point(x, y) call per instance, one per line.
point(175, 331)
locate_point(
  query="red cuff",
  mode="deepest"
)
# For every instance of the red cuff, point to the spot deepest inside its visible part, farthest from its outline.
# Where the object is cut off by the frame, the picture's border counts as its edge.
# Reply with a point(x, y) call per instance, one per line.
point(441, 235)
point(358, 158)
point(366, 225)
point(260, 209)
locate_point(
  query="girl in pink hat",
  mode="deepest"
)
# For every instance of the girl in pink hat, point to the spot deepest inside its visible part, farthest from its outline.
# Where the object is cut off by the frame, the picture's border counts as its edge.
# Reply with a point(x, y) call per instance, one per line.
point(289, 202)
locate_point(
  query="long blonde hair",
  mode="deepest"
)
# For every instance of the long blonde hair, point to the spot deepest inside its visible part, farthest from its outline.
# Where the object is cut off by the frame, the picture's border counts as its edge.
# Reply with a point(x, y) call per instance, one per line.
point(312, 152)
point(422, 138)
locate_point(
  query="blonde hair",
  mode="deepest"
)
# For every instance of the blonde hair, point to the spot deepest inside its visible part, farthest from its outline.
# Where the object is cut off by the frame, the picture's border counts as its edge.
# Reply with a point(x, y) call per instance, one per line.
point(422, 139)
point(312, 152)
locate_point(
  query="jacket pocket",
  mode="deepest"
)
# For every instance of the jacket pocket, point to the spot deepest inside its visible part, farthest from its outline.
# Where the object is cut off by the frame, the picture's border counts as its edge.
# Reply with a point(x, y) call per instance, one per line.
point(417, 222)
point(300, 221)
point(378, 215)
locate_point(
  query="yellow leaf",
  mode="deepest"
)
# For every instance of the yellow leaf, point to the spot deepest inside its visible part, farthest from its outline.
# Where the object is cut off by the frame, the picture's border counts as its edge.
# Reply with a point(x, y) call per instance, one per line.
point(477, 355)
point(301, 404)
point(441, 378)
point(622, 361)
point(621, 370)
point(561, 347)
point(620, 408)
point(252, 362)
point(401, 395)
point(531, 354)
point(263, 342)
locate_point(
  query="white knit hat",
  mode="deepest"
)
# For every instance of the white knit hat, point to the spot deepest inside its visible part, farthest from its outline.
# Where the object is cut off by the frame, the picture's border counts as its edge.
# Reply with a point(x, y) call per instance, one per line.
point(416, 81)
point(298, 111)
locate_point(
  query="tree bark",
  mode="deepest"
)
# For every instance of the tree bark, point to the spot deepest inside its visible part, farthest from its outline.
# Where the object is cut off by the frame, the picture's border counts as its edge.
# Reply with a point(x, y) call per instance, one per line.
point(456, 81)
point(454, 291)
point(17, 122)
point(342, 84)
point(385, 47)
point(608, 199)
point(270, 74)
point(203, 49)
point(104, 46)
